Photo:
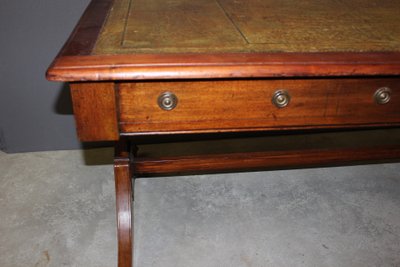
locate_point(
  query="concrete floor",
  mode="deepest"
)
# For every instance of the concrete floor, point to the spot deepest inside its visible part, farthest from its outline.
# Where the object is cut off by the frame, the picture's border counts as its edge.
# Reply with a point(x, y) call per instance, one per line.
point(57, 209)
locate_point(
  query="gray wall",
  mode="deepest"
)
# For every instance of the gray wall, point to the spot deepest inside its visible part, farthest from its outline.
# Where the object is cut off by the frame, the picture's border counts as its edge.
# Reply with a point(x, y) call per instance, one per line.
point(35, 114)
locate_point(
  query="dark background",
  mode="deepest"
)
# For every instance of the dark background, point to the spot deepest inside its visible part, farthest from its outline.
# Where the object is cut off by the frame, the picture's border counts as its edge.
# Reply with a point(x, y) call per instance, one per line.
point(35, 114)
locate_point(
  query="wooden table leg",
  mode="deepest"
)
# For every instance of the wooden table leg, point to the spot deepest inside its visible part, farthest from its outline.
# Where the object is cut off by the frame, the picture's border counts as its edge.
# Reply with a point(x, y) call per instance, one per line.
point(124, 197)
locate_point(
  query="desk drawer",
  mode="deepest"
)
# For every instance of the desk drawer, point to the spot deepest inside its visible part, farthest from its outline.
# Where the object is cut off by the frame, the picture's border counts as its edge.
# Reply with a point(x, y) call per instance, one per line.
point(207, 106)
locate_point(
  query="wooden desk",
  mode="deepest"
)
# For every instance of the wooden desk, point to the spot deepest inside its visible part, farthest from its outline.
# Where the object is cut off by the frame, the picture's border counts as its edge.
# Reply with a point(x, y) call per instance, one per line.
point(183, 67)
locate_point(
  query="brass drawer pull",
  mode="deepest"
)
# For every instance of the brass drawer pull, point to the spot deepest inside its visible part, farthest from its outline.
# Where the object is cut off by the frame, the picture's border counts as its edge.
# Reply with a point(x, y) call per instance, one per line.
point(382, 95)
point(281, 98)
point(167, 101)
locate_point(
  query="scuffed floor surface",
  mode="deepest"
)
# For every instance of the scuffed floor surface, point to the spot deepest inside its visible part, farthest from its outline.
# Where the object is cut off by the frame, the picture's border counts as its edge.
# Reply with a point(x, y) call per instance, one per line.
point(57, 209)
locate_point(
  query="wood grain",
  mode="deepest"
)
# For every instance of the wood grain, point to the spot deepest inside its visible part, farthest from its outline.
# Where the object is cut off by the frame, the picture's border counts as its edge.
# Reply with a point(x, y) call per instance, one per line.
point(206, 66)
point(112, 59)
point(84, 36)
point(95, 111)
point(247, 105)
point(124, 197)
point(221, 46)
point(262, 160)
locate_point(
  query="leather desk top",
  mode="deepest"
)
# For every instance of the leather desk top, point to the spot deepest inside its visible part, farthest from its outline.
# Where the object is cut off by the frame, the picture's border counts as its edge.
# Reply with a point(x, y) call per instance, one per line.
point(183, 39)
point(184, 26)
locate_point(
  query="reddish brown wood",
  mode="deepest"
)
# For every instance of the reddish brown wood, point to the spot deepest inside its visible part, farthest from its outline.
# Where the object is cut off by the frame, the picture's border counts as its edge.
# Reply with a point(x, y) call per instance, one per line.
point(76, 62)
point(246, 105)
point(85, 34)
point(262, 160)
point(95, 111)
point(223, 65)
point(239, 103)
point(222, 132)
point(124, 197)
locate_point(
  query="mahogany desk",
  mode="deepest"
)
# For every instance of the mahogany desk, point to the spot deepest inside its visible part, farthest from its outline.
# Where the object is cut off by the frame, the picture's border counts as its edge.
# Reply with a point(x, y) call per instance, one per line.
point(183, 67)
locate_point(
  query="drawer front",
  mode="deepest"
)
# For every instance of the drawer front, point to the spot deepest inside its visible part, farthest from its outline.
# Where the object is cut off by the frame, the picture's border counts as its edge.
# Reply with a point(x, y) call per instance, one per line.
point(234, 105)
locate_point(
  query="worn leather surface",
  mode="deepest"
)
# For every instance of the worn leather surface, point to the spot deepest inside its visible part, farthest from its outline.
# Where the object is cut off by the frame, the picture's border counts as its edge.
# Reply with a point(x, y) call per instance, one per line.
point(143, 26)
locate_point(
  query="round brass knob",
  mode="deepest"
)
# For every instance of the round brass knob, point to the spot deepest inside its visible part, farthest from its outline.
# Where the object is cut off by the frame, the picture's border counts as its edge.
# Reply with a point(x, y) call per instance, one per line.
point(382, 95)
point(167, 101)
point(281, 98)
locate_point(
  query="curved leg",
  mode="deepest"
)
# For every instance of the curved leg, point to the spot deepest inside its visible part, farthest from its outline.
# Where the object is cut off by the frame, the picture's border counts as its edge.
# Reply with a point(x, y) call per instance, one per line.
point(124, 196)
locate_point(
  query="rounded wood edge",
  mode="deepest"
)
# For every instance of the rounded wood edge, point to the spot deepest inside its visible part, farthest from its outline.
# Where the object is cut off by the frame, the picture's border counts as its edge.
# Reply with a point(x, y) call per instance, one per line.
point(124, 193)
point(230, 65)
